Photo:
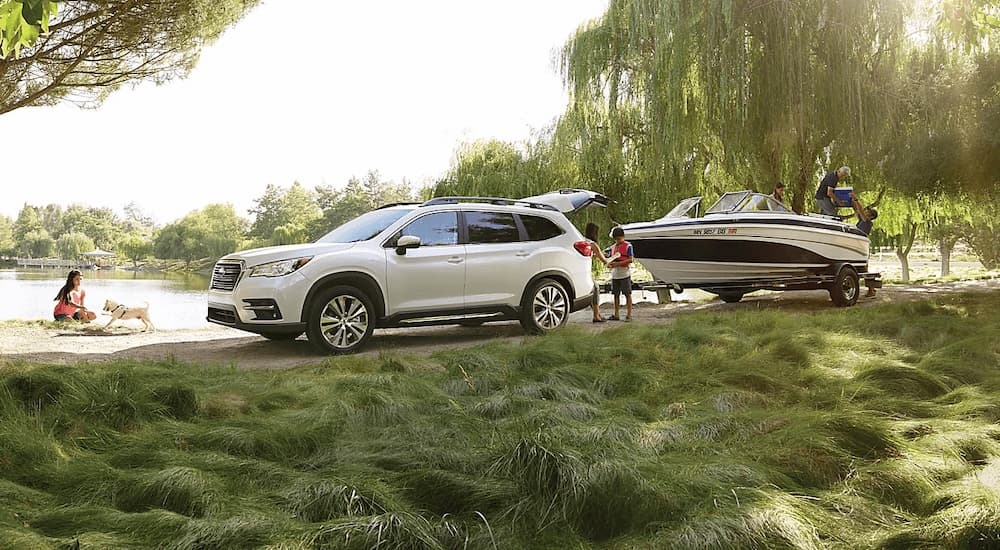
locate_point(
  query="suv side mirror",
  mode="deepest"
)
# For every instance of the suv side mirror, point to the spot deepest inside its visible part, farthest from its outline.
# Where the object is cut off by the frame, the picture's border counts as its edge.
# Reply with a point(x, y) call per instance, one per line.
point(406, 241)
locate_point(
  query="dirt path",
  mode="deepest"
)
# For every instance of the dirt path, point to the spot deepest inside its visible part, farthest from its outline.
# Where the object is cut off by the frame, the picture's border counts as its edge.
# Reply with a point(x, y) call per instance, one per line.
point(219, 346)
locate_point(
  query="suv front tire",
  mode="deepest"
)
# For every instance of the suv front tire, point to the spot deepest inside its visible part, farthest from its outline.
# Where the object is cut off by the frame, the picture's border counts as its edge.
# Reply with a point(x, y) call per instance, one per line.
point(341, 321)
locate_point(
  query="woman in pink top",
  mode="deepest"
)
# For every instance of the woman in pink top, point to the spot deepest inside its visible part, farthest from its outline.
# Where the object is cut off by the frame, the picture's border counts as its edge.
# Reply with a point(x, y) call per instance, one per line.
point(69, 301)
point(596, 252)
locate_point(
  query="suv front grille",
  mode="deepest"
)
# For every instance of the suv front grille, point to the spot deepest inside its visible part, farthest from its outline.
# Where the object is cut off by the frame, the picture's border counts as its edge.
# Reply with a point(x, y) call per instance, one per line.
point(225, 275)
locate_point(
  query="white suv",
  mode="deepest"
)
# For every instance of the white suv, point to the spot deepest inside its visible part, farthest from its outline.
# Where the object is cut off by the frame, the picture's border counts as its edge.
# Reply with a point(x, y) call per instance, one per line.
point(450, 260)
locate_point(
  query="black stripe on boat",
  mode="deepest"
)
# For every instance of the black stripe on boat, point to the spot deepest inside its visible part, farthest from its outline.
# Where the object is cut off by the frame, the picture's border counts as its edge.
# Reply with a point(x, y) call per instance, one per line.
point(724, 250)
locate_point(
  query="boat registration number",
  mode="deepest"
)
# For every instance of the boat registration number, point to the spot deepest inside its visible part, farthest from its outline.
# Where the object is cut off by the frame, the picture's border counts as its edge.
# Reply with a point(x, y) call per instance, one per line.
point(715, 231)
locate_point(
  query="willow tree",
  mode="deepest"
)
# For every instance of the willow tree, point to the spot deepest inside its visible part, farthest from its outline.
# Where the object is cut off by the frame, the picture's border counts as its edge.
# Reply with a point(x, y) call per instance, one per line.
point(752, 91)
point(89, 48)
point(494, 168)
point(927, 151)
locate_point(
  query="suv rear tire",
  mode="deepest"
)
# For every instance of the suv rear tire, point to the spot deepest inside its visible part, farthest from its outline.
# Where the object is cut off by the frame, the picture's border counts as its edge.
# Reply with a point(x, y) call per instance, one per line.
point(341, 321)
point(545, 307)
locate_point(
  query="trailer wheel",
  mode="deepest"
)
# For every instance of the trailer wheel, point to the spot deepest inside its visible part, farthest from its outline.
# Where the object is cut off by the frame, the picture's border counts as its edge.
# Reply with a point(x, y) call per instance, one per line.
point(731, 297)
point(846, 287)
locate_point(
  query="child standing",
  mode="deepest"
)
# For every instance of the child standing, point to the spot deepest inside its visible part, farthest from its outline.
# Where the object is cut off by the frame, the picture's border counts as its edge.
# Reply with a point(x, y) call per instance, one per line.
point(621, 272)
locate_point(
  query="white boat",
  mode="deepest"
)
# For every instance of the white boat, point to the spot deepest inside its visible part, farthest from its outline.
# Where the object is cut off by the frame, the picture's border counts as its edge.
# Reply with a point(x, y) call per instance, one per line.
point(748, 241)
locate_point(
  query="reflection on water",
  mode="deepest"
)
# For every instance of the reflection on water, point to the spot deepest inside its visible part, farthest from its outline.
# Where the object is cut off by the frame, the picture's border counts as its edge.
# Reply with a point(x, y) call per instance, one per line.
point(176, 300)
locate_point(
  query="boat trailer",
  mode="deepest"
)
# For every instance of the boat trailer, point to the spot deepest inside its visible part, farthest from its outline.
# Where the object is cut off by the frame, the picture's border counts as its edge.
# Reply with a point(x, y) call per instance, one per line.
point(844, 285)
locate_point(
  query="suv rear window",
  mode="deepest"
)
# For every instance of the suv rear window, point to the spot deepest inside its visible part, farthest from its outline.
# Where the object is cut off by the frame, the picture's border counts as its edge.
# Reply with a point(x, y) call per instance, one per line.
point(492, 227)
point(539, 228)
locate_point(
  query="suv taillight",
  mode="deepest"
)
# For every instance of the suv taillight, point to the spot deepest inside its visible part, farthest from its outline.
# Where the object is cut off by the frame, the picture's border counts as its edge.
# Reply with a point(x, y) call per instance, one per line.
point(583, 247)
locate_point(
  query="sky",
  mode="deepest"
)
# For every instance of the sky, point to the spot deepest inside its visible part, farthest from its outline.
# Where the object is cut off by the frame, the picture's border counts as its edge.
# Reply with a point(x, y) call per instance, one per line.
point(393, 86)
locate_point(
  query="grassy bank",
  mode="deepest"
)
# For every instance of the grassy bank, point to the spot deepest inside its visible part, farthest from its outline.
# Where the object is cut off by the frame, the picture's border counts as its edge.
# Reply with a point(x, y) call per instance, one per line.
point(851, 428)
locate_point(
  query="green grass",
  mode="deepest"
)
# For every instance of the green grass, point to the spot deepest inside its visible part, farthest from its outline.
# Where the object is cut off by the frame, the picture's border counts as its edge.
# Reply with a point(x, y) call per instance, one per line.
point(852, 428)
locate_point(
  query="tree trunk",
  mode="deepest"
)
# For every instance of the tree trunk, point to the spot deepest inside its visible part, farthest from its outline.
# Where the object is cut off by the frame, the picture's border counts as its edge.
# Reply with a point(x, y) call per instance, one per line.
point(904, 243)
point(904, 265)
point(945, 246)
point(801, 188)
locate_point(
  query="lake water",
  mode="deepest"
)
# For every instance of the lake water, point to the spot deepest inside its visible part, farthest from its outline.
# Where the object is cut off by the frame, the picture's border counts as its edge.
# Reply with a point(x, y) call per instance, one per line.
point(176, 301)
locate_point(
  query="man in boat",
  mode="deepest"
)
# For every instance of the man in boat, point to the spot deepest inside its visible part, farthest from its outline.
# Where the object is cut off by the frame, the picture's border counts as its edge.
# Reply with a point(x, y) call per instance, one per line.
point(825, 197)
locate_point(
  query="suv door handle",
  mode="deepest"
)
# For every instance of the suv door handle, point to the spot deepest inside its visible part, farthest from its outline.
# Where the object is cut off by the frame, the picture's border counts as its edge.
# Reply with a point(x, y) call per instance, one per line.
point(455, 260)
point(522, 253)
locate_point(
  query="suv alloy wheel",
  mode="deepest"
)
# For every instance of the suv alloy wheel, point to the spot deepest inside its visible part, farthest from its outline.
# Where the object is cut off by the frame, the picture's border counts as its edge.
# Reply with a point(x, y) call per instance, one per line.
point(341, 321)
point(546, 307)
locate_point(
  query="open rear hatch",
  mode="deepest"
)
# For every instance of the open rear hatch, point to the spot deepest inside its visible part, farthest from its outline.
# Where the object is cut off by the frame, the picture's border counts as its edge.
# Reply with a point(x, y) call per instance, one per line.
point(570, 200)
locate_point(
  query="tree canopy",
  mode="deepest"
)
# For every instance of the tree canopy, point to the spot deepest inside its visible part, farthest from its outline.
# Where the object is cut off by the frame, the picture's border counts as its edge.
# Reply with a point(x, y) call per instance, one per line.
point(88, 48)
point(756, 89)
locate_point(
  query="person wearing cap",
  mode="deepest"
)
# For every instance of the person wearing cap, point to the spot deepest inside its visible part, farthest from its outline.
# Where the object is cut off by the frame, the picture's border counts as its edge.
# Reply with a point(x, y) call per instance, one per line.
point(825, 197)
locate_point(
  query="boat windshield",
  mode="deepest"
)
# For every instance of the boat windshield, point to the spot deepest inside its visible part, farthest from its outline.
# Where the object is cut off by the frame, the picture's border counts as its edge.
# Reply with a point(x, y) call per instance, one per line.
point(687, 208)
point(746, 201)
point(728, 202)
point(757, 202)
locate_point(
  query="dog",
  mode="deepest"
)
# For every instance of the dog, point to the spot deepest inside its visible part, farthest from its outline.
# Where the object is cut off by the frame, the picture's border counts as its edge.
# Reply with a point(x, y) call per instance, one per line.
point(120, 311)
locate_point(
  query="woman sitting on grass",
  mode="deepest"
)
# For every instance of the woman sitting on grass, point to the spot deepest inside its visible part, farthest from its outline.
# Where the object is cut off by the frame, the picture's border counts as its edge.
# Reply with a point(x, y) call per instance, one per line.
point(69, 301)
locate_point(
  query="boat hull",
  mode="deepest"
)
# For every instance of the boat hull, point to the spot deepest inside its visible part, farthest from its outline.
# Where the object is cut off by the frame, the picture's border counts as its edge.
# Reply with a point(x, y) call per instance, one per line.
point(702, 252)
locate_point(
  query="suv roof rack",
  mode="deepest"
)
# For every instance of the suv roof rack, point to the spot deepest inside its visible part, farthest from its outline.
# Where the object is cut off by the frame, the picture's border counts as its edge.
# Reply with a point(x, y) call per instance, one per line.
point(401, 203)
point(489, 200)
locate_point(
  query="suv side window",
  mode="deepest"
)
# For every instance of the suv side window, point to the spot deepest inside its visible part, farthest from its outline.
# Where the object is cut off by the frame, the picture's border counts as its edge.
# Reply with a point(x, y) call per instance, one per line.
point(491, 227)
point(437, 229)
point(539, 228)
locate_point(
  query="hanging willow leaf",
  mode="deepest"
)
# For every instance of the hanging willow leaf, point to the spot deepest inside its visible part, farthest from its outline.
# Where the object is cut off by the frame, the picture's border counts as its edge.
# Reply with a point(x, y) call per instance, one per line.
point(684, 92)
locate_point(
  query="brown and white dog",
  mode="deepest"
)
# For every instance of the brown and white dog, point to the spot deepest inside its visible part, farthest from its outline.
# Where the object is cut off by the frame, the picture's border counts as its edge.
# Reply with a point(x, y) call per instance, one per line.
point(120, 311)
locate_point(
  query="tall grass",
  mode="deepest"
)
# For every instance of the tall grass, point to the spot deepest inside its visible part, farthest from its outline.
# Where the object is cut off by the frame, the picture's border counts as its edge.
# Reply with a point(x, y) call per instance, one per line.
point(855, 428)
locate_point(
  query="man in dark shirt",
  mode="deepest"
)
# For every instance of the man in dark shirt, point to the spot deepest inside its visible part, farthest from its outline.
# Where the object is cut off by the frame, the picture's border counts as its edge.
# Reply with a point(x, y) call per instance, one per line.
point(865, 215)
point(825, 197)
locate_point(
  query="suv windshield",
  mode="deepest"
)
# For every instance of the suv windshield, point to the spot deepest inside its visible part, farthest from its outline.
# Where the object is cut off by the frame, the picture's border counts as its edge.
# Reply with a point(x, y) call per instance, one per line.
point(364, 226)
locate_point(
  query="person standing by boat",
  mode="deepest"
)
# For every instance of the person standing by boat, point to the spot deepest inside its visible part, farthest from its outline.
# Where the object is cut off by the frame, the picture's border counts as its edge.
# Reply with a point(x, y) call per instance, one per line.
point(595, 250)
point(621, 272)
point(825, 197)
point(69, 300)
point(779, 192)
point(866, 214)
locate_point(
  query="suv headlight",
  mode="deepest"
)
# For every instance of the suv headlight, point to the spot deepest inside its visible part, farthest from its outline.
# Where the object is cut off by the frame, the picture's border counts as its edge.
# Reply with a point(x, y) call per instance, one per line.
point(278, 269)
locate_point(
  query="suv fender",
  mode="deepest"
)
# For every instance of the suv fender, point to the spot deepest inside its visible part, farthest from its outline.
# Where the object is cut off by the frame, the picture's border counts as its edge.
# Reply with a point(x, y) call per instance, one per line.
point(559, 276)
point(362, 281)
